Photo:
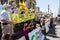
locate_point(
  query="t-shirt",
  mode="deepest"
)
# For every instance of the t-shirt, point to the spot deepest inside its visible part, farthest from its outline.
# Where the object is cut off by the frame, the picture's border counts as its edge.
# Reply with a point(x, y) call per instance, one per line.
point(5, 15)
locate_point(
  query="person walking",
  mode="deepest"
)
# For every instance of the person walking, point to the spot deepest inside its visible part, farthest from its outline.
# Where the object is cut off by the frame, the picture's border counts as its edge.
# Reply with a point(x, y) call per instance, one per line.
point(6, 21)
point(51, 21)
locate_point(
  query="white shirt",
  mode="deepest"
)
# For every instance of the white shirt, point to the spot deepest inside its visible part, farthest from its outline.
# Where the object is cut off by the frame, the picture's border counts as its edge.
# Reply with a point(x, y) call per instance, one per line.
point(5, 15)
point(46, 24)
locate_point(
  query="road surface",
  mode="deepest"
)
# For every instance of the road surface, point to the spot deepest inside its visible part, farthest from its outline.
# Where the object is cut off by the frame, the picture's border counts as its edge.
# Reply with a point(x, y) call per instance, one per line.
point(54, 33)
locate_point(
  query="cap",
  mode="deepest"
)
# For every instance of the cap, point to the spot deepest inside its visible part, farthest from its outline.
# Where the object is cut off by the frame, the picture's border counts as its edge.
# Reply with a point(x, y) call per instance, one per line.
point(7, 5)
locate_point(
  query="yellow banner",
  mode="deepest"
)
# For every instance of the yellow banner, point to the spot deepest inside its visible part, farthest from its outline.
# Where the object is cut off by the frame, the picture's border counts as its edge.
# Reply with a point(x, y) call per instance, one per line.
point(18, 18)
point(11, 0)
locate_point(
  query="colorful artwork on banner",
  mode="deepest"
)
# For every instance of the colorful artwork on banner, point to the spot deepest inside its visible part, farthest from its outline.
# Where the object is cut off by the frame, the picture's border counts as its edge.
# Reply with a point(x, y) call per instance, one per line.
point(18, 18)
point(35, 34)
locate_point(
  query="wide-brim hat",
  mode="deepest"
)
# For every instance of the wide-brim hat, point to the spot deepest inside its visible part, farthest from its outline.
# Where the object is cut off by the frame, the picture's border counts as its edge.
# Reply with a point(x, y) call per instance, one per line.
point(7, 5)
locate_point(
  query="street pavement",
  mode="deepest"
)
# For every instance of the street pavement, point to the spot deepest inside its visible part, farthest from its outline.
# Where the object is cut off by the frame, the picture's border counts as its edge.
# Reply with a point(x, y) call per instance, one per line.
point(54, 33)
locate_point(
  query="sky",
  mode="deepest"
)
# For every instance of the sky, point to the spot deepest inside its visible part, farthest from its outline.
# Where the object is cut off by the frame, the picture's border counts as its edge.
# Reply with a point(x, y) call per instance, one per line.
point(54, 5)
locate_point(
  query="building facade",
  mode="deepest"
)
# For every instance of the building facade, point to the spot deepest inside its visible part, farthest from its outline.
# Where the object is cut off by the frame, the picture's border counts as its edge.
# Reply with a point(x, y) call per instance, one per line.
point(59, 8)
point(29, 3)
point(37, 9)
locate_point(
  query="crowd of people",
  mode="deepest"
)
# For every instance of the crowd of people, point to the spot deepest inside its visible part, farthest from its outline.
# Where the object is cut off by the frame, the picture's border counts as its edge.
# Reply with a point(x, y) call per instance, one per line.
point(6, 24)
point(11, 31)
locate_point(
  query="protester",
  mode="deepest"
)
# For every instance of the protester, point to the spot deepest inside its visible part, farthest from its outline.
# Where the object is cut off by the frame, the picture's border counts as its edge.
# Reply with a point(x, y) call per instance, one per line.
point(21, 30)
point(46, 23)
point(51, 21)
point(6, 21)
point(43, 25)
point(25, 31)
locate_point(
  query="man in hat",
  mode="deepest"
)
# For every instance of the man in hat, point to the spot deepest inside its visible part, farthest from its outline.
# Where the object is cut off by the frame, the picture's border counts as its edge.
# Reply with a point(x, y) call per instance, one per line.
point(6, 20)
point(0, 21)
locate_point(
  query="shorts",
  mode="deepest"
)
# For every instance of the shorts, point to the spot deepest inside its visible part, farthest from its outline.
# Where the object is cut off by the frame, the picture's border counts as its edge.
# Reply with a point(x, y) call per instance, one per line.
point(6, 29)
